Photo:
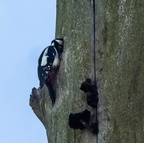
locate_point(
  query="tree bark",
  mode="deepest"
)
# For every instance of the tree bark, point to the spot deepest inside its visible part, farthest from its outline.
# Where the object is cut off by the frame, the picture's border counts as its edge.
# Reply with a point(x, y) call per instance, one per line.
point(74, 24)
point(103, 41)
point(120, 70)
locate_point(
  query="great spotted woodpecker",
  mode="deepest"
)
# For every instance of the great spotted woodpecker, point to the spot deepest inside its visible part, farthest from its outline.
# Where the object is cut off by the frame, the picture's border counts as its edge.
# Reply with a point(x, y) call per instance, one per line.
point(48, 64)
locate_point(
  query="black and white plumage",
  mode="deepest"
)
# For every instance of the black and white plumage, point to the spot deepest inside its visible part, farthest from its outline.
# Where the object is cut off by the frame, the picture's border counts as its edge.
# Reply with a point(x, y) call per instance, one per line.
point(48, 64)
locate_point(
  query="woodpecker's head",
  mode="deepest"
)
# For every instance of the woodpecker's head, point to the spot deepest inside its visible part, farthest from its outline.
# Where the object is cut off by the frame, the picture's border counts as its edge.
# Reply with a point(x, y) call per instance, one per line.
point(58, 44)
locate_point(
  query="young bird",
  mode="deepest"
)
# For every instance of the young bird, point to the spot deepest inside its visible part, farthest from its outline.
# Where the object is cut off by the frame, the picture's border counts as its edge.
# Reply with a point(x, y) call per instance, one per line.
point(48, 64)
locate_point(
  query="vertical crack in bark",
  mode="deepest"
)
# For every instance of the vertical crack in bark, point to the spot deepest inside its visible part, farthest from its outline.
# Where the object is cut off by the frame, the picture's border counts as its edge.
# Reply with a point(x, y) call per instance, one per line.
point(94, 44)
point(74, 136)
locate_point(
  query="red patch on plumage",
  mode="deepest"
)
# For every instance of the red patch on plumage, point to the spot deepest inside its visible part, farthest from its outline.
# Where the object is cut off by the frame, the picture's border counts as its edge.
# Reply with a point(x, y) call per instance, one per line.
point(51, 77)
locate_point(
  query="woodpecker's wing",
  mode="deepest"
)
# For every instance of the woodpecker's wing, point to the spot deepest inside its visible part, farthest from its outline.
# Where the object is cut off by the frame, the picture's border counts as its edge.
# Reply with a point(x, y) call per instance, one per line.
point(45, 63)
point(47, 56)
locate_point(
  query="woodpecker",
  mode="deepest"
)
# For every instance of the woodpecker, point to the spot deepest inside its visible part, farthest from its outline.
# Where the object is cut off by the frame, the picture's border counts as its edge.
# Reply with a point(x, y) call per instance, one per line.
point(48, 64)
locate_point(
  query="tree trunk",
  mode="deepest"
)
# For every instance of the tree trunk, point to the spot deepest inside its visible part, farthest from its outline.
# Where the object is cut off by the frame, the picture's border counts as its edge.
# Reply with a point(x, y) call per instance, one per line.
point(120, 62)
point(74, 24)
point(103, 40)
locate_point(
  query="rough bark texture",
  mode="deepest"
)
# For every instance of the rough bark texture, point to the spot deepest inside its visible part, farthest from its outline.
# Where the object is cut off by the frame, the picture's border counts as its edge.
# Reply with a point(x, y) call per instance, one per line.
point(120, 72)
point(119, 67)
point(75, 25)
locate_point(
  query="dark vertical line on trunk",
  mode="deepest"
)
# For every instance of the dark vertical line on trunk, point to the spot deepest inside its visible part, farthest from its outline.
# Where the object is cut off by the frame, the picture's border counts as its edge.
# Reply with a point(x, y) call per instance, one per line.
point(94, 43)
point(74, 136)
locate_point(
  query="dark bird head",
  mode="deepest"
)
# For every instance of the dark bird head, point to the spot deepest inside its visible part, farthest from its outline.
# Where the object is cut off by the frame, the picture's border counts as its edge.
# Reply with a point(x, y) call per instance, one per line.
point(58, 44)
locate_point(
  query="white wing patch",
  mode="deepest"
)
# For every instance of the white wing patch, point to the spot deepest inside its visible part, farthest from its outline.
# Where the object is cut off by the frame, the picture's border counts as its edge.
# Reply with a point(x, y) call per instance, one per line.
point(44, 58)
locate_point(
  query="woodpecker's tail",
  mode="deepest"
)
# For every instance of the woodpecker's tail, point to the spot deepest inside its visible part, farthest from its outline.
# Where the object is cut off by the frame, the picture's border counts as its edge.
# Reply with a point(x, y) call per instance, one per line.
point(51, 93)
